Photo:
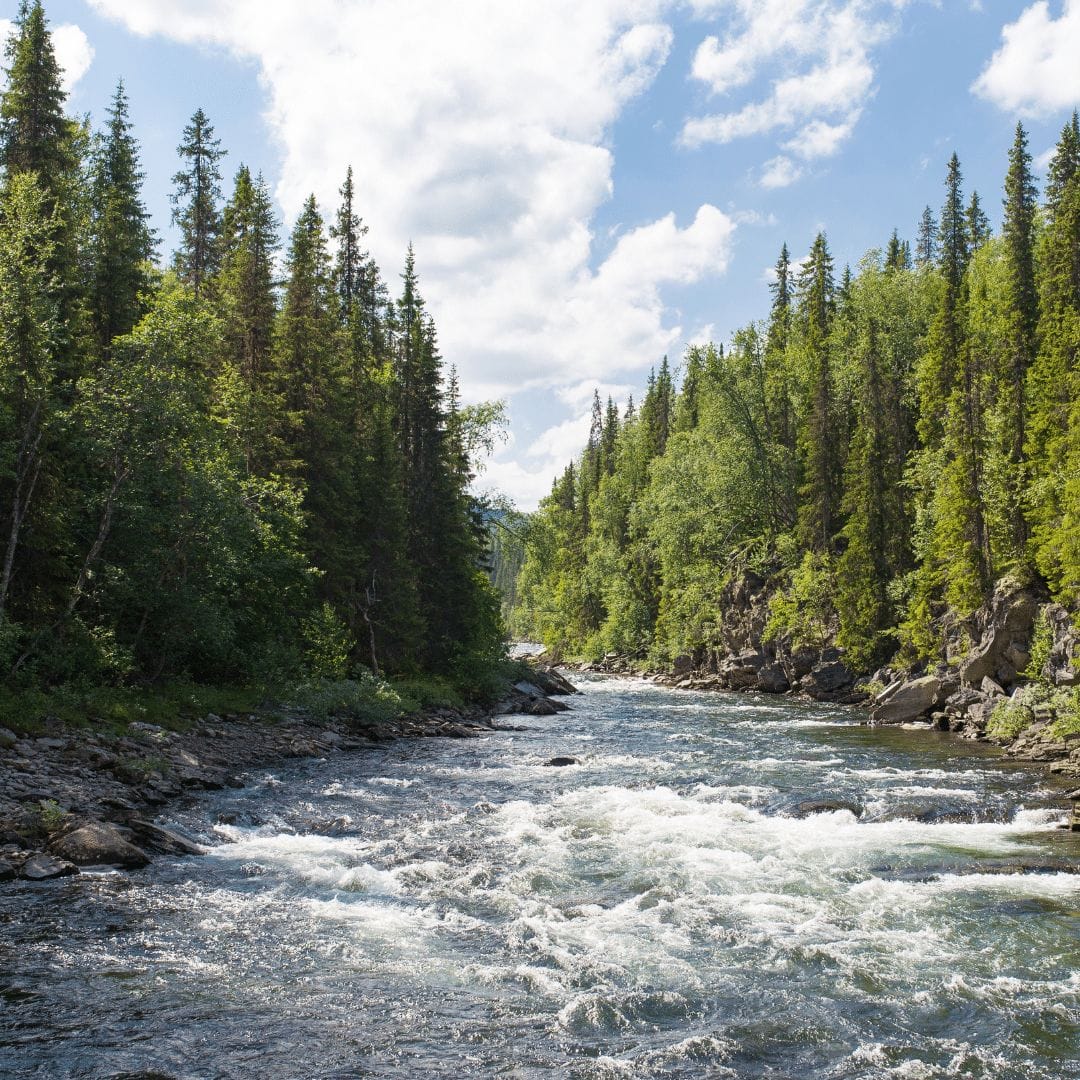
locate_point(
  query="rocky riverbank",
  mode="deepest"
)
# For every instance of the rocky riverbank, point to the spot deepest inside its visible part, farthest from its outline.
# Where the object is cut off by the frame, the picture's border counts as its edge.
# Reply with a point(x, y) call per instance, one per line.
point(1010, 672)
point(71, 798)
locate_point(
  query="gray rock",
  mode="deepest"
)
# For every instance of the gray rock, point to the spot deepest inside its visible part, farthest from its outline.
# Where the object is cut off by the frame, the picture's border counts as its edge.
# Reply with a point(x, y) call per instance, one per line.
point(41, 867)
point(529, 689)
point(7, 871)
point(828, 678)
point(7, 738)
point(561, 762)
point(540, 707)
point(826, 806)
point(899, 704)
point(773, 680)
point(991, 688)
point(99, 844)
point(165, 841)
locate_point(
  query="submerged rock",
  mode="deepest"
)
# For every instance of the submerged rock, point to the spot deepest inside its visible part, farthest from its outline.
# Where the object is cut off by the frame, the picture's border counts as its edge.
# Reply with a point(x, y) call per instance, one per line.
point(560, 762)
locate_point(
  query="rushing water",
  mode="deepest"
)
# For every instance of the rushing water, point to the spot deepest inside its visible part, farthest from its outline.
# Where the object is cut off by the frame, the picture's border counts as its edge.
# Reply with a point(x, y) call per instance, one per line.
point(459, 909)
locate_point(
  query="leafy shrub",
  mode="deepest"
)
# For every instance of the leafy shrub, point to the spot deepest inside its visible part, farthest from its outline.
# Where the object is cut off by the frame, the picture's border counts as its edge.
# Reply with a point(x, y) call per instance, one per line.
point(364, 700)
point(1010, 717)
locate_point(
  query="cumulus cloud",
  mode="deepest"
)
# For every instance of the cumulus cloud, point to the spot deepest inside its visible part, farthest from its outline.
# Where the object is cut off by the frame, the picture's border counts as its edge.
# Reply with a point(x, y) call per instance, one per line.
point(779, 172)
point(1037, 69)
point(477, 130)
point(74, 53)
point(823, 53)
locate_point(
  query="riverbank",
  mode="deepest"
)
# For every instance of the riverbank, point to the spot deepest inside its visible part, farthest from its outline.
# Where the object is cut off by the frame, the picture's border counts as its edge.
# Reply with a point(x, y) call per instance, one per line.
point(827, 681)
point(83, 796)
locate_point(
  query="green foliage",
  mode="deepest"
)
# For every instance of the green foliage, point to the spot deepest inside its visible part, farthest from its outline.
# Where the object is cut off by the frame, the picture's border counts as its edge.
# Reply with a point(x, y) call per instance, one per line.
point(804, 612)
point(365, 700)
point(1010, 717)
point(1042, 644)
point(213, 472)
point(1066, 723)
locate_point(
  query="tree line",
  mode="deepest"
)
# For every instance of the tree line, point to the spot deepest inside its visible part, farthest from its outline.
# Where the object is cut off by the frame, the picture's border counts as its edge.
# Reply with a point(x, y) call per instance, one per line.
point(885, 447)
point(213, 469)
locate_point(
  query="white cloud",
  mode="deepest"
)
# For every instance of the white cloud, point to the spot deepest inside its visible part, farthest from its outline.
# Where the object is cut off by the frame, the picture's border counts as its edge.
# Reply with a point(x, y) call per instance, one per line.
point(578, 395)
point(477, 130)
point(823, 52)
point(74, 53)
point(779, 172)
point(1037, 68)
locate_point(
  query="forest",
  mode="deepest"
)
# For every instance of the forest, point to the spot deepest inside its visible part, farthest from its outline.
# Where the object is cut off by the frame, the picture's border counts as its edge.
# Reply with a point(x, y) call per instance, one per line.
point(888, 445)
point(246, 462)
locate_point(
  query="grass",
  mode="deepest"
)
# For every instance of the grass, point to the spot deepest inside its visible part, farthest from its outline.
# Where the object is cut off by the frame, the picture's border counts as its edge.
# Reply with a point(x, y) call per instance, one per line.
point(177, 706)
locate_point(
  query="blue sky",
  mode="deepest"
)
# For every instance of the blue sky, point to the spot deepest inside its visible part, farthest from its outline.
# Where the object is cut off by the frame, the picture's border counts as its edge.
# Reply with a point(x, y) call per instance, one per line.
point(589, 184)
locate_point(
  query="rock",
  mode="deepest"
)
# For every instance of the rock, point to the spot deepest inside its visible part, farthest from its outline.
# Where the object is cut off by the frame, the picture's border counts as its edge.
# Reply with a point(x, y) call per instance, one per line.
point(682, 665)
point(829, 678)
point(45, 743)
point(802, 662)
point(826, 806)
point(560, 762)
point(1000, 630)
point(7, 738)
point(772, 679)
point(991, 688)
point(98, 844)
point(900, 703)
point(164, 841)
point(41, 867)
point(551, 682)
point(528, 689)
point(540, 707)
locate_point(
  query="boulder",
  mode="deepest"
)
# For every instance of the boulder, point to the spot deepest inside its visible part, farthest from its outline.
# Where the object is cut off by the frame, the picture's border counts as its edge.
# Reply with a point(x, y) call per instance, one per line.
point(900, 703)
point(540, 707)
point(7, 871)
point(528, 689)
point(562, 762)
point(98, 844)
point(827, 679)
point(165, 841)
point(41, 867)
point(7, 738)
point(773, 679)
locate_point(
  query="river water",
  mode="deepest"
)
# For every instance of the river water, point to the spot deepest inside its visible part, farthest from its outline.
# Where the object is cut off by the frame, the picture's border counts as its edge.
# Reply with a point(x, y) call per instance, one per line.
point(460, 909)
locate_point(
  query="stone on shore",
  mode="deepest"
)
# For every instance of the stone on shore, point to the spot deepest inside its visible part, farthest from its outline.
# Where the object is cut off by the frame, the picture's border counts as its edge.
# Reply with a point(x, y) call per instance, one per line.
point(99, 844)
point(906, 701)
point(42, 867)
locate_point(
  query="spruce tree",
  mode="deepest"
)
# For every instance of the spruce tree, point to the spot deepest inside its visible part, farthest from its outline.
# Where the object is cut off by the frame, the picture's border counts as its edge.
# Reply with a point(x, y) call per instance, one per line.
point(926, 239)
point(1023, 313)
point(818, 450)
point(122, 243)
point(196, 202)
point(977, 224)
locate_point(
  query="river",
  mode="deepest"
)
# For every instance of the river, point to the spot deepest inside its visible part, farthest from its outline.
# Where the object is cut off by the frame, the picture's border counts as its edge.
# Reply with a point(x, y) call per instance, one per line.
point(457, 908)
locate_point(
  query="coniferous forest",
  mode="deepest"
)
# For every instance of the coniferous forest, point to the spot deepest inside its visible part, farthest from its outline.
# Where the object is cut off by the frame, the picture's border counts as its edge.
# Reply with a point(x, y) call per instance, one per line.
point(245, 461)
point(892, 442)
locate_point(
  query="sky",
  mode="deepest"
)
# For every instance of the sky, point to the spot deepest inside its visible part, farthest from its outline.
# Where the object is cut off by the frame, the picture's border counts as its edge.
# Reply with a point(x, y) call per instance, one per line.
point(589, 185)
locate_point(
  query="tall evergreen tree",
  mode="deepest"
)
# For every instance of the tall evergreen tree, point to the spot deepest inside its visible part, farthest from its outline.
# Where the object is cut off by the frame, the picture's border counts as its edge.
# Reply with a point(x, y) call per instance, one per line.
point(818, 449)
point(122, 242)
point(1023, 315)
point(977, 224)
point(196, 201)
point(926, 239)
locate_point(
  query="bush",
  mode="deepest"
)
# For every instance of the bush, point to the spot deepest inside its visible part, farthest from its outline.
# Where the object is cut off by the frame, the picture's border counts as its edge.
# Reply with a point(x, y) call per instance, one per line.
point(364, 700)
point(1010, 717)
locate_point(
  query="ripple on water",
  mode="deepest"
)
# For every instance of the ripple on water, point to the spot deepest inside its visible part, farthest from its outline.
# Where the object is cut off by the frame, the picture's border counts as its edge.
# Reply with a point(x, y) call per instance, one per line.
point(458, 909)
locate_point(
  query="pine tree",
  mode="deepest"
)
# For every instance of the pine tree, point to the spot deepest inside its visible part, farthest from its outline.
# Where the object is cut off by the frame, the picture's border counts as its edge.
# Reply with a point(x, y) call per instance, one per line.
point(1063, 166)
point(1023, 314)
point(977, 224)
point(245, 297)
point(926, 239)
point(196, 202)
point(778, 384)
point(122, 242)
point(35, 136)
point(818, 449)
